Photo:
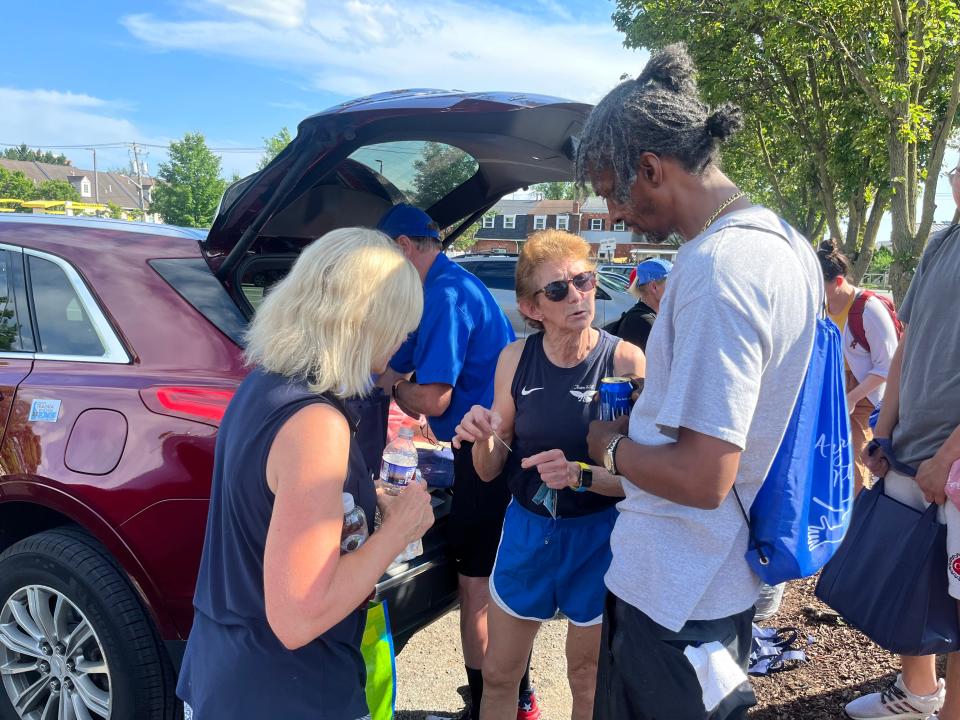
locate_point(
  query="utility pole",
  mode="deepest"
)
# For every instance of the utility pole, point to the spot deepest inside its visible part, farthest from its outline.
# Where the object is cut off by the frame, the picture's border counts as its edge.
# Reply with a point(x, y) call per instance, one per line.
point(96, 177)
point(136, 162)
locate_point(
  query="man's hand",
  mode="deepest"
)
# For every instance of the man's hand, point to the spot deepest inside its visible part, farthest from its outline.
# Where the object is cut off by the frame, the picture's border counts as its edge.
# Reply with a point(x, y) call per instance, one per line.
point(875, 460)
point(932, 479)
point(601, 432)
point(556, 472)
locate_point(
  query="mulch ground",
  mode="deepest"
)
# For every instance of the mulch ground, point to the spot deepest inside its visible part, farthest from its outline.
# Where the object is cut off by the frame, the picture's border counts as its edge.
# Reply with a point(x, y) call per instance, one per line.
point(841, 665)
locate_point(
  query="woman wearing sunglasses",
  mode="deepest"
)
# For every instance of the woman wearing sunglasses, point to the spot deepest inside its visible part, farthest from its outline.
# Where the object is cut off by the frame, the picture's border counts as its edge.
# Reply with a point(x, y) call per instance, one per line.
point(535, 433)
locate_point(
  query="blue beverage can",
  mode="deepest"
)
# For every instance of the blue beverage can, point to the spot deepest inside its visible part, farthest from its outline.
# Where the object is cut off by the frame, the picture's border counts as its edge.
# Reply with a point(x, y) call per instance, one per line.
point(615, 395)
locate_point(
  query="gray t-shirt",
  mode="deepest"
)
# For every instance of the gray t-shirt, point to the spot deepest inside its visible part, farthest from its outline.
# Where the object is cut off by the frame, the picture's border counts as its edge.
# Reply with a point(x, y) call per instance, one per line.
point(726, 358)
point(930, 374)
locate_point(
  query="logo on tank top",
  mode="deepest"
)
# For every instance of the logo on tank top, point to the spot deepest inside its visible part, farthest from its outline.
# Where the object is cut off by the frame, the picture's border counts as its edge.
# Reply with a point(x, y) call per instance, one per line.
point(526, 392)
point(584, 393)
point(954, 563)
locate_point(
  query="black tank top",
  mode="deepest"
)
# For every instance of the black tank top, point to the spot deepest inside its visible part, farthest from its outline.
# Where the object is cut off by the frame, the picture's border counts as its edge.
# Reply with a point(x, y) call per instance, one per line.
point(555, 407)
point(235, 667)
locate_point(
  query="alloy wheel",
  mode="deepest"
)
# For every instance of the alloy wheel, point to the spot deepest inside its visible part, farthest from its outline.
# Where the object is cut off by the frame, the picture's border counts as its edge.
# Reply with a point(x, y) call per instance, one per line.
point(51, 660)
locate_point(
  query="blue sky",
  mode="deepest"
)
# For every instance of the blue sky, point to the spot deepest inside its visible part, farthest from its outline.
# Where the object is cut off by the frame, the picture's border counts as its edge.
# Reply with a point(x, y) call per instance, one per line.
point(238, 70)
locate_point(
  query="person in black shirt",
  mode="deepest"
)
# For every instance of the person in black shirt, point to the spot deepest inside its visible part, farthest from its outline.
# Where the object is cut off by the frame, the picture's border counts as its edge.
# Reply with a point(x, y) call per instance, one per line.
point(647, 284)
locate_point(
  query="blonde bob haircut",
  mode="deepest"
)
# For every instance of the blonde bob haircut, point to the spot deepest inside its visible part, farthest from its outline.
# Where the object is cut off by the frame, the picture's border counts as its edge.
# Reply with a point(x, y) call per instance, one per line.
point(543, 247)
point(348, 301)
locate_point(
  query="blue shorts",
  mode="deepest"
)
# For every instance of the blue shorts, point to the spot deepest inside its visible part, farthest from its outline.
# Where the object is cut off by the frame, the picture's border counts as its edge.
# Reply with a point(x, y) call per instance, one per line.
point(545, 564)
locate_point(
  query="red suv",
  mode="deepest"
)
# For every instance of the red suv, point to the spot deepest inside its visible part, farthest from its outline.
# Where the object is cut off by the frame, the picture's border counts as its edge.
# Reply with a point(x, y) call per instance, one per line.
point(120, 347)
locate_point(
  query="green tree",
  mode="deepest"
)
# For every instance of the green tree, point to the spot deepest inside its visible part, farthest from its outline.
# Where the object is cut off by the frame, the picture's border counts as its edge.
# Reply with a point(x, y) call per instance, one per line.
point(190, 186)
point(56, 190)
point(557, 190)
point(468, 238)
point(439, 169)
point(273, 146)
point(811, 147)
point(849, 105)
point(882, 260)
point(14, 184)
point(22, 152)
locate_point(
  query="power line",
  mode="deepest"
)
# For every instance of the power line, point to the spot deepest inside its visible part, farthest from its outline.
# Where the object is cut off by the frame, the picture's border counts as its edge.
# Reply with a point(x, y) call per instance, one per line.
point(118, 145)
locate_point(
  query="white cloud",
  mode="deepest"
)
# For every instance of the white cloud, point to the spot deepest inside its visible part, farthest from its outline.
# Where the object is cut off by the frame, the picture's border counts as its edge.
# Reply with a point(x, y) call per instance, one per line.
point(40, 117)
point(282, 13)
point(359, 47)
point(53, 117)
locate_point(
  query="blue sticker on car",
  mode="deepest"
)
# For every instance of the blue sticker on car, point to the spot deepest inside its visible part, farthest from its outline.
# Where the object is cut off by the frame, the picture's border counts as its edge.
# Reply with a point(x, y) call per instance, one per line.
point(44, 411)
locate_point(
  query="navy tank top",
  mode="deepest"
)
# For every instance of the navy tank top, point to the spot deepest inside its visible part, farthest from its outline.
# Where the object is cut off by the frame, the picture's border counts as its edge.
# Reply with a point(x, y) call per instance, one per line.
point(234, 666)
point(555, 407)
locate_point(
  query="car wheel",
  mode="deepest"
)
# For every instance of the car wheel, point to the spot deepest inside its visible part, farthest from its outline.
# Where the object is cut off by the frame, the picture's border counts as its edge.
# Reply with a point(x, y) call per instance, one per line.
point(75, 640)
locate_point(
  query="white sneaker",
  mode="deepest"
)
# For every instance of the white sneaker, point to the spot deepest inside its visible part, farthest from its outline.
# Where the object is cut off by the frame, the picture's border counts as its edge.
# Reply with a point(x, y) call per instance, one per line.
point(895, 702)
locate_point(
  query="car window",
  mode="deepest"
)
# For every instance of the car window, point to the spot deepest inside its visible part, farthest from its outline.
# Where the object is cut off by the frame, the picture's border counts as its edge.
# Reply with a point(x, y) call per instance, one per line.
point(63, 327)
point(424, 172)
point(613, 281)
point(11, 339)
point(495, 275)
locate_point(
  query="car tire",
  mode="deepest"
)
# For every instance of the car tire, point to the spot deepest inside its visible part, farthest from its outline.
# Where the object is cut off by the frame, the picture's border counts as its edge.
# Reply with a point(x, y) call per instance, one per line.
point(53, 586)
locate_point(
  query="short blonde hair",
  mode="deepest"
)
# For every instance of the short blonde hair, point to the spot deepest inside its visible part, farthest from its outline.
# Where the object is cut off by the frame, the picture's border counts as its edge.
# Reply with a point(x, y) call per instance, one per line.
point(347, 302)
point(546, 246)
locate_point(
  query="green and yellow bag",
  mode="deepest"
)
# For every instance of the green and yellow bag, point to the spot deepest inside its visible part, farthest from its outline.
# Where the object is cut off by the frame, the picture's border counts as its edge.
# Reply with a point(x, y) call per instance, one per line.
point(378, 655)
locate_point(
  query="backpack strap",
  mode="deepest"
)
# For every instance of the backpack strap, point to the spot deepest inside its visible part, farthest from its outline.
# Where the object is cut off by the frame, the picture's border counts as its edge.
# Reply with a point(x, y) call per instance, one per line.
point(855, 319)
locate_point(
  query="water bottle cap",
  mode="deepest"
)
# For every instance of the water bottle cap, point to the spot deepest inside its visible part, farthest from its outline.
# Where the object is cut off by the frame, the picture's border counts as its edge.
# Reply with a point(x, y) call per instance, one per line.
point(406, 432)
point(348, 503)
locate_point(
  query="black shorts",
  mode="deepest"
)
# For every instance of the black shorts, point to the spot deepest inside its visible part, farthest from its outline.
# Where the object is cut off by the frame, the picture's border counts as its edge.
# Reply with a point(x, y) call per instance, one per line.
point(644, 675)
point(476, 517)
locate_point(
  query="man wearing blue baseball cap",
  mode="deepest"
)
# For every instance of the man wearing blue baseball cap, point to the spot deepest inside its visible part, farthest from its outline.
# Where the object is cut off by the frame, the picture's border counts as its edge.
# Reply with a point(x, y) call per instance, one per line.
point(647, 285)
point(652, 280)
point(454, 352)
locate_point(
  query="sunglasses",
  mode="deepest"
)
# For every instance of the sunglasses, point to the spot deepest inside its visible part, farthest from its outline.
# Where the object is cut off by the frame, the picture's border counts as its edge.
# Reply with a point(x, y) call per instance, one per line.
point(559, 289)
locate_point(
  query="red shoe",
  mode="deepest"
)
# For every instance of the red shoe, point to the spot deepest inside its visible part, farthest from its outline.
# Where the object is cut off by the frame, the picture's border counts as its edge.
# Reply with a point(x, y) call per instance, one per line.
point(527, 708)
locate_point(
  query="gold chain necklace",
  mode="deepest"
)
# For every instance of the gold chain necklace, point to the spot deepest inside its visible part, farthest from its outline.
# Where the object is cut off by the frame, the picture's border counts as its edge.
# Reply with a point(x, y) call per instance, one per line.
point(723, 206)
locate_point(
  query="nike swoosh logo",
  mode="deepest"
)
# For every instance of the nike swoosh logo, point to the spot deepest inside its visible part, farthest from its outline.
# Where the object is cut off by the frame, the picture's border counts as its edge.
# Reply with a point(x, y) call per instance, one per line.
point(524, 391)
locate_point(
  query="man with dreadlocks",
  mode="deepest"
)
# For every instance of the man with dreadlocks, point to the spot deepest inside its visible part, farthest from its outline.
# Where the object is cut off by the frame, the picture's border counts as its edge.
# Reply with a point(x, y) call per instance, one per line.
point(725, 362)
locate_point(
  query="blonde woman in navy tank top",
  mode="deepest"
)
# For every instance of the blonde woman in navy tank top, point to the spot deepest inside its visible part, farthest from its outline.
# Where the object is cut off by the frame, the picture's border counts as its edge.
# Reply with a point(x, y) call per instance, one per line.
point(279, 612)
point(544, 400)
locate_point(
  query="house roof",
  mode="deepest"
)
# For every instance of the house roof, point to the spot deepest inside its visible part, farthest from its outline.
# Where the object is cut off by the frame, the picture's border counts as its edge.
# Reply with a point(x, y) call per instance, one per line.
point(113, 187)
point(596, 205)
point(514, 207)
point(555, 207)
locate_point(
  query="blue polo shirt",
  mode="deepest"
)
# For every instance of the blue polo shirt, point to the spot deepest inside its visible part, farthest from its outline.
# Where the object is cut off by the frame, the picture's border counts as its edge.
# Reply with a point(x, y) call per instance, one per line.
point(458, 342)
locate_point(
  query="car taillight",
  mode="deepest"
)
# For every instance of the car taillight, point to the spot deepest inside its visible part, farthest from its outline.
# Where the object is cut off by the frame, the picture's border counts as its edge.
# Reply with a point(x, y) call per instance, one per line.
point(206, 404)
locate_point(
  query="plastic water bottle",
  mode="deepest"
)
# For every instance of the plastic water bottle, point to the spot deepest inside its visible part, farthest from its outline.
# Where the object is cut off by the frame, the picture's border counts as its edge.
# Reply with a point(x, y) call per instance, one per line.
point(399, 463)
point(355, 531)
point(414, 549)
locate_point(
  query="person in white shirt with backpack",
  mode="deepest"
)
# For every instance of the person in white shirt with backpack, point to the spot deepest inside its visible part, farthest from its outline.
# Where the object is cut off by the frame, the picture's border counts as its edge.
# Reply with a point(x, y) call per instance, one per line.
point(871, 331)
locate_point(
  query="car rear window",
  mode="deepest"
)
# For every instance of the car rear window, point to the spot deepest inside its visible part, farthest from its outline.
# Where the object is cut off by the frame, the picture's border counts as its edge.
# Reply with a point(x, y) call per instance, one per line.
point(424, 172)
point(495, 275)
point(195, 283)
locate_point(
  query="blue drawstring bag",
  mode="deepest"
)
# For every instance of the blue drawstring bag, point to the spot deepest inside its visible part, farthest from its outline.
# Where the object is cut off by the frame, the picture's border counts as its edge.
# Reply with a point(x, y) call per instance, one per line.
point(802, 511)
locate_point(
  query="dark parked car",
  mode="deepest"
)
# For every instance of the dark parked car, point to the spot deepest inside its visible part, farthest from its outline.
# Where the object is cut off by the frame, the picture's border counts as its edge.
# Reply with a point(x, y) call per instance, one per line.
point(498, 273)
point(120, 348)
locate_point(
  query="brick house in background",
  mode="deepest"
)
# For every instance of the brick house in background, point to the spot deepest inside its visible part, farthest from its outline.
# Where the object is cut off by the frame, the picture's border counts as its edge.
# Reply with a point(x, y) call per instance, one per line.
point(510, 222)
point(102, 187)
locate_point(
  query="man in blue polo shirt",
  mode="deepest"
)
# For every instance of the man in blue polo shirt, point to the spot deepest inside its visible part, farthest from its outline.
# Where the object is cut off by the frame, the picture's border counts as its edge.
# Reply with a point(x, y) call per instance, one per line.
point(454, 353)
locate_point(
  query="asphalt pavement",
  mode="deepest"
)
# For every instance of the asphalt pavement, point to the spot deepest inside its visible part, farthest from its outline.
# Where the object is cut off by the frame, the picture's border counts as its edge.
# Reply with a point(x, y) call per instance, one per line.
point(431, 678)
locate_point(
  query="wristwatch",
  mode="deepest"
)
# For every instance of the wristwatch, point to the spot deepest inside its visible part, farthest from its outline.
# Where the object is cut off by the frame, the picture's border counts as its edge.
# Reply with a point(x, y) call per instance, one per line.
point(584, 479)
point(609, 455)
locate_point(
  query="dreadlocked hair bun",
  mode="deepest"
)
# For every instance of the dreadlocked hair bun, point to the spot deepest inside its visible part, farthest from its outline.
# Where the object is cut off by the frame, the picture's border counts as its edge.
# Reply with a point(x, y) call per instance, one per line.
point(673, 68)
point(724, 121)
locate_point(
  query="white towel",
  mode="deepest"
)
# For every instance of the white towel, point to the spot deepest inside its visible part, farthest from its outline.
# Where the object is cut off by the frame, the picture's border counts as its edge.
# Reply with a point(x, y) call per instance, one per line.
point(717, 671)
